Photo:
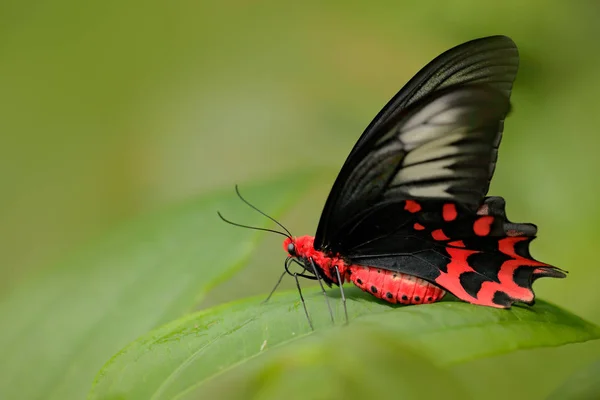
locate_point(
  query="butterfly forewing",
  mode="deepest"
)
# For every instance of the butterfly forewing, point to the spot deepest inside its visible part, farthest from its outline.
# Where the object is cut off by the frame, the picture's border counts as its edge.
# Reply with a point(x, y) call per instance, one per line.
point(439, 149)
point(491, 61)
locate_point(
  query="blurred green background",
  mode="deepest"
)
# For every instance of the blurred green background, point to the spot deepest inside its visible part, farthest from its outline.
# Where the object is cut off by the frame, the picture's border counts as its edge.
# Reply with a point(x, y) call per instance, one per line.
point(111, 109)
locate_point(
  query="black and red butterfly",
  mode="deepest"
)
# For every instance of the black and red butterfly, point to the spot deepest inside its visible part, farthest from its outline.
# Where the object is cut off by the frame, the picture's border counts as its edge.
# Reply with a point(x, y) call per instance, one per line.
point(408, 218)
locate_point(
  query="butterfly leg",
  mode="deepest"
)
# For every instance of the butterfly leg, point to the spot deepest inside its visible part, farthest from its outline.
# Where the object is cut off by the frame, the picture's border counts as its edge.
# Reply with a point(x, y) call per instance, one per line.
point(275, 288)
point(339, 279)
point(303, 303)
point(314, 267)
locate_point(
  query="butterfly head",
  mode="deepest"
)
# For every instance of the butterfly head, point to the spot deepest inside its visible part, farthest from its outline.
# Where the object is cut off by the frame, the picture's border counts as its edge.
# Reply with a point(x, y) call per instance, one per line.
point(299, 247)
point(299, 251)
point(290, 247)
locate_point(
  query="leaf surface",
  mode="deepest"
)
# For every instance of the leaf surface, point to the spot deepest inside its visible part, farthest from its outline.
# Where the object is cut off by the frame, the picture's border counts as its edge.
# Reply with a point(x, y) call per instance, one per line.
point(60, 328)
point(184, 355)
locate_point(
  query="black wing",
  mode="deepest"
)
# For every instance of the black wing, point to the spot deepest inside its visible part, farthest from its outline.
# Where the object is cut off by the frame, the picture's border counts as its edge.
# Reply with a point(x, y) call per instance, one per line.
point(492, 60)
point(489, 65)
point(439, 148)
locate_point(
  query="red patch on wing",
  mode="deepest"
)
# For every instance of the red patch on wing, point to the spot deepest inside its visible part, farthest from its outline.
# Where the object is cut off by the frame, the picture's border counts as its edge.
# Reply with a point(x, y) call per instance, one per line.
point(457, 243)
point(449, 212)
point(458, 265)
point(483, 225)
point(507, 246)
point(450, 280)
point(438, 234)
point(507, 270)
point(412, 206)
point(418, 226)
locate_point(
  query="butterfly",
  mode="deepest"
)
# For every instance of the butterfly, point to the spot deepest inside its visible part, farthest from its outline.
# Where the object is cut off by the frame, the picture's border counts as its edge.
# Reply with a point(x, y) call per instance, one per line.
point(407, 218)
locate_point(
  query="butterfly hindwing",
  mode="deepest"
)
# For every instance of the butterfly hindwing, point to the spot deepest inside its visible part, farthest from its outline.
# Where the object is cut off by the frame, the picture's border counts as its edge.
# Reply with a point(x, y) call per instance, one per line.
point(482, 257)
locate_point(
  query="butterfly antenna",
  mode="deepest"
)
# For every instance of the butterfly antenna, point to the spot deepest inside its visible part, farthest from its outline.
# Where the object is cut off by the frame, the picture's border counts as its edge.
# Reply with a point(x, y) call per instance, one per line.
point(322, 289)
point(303, 303)
point(256, 209)
point(251, 227)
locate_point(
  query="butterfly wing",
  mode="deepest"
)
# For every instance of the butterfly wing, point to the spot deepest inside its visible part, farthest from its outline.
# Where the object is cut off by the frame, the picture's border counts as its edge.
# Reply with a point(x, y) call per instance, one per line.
point(480, 257)
point(438, 149)
point(492, 61)
point(411, 197)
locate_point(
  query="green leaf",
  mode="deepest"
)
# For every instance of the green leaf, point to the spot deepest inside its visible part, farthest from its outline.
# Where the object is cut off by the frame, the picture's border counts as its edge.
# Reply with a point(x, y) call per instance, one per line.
point(184, 355)
point(582, 385)
point(350, 363)
point(60, 328)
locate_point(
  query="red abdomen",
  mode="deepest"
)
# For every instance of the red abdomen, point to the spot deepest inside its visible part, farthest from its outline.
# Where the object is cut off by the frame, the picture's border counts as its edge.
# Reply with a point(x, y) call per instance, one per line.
point(394, 287)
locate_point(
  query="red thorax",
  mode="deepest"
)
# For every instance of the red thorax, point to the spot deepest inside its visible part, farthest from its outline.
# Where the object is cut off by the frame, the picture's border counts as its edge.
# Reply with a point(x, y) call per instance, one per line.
point(304, 248)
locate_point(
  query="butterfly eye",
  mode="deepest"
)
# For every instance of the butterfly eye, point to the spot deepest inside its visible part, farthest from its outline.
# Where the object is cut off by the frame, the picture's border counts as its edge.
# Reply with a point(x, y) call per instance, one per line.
point(291, 249)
